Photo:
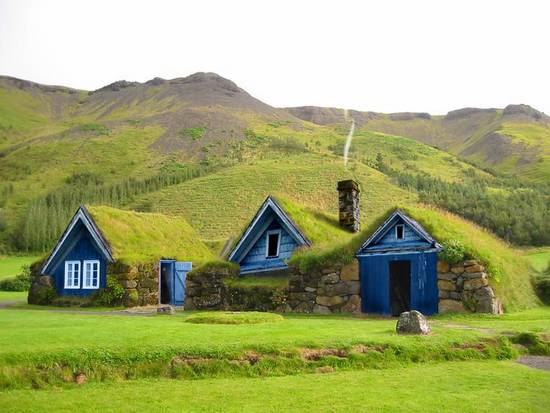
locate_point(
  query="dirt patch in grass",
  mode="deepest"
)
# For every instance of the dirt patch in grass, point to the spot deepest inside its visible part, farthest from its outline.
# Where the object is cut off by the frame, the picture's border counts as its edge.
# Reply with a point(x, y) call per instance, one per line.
point(537, 362)
point(312, 354)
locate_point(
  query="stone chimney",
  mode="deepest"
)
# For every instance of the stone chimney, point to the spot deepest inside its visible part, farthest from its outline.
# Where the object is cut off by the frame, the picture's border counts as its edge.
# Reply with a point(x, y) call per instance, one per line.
point(348, 204)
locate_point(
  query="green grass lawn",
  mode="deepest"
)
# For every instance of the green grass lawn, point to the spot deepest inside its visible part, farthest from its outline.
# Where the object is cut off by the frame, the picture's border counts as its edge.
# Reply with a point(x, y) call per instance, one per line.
point(13, 296)
point(11, 266)
point(24, 332)
point(444, 387)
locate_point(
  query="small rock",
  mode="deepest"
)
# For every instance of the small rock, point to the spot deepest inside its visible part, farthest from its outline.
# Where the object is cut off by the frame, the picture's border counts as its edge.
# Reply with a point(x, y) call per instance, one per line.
point(475, 268)
point(330, 278)
point(443, 266)
point(330, 301)
point(412, 322)
point(310, 289)
point(457, 269)
point(475, 283)
point(166, 309)
point(353, 305)
point(350, 272)
point(446, 285)
point(448, 276)
point(80, 378)
point(444, 294)
point(321, 309)
point(467, 263)
point(471, 275)
point(451, 306)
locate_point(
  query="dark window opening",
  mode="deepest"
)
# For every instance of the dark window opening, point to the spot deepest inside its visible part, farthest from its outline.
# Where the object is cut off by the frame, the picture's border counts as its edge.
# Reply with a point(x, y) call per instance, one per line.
point(399, 232)
point(273, 245)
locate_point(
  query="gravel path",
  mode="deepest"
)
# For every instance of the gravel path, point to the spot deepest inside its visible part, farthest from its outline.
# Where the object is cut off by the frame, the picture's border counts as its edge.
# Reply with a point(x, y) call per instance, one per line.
point(537, 362)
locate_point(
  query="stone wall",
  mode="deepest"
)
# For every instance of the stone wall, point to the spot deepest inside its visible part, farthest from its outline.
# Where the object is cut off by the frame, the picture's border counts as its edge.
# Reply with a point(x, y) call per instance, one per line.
point(330, 290)
point(140, 282)
point(215, 287)
point(465, 287)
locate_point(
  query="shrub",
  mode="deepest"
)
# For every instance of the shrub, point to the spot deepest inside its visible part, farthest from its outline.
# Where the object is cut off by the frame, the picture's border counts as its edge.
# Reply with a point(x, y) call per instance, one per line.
point(542, 287)
point(533, 343)
point(453, 252)
point(194, 133)
point(21, 282)
point(111, 295)
point(233, 317)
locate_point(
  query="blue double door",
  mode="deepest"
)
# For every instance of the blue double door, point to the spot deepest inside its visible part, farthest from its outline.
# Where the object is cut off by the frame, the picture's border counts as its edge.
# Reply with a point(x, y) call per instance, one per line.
point(172, 281)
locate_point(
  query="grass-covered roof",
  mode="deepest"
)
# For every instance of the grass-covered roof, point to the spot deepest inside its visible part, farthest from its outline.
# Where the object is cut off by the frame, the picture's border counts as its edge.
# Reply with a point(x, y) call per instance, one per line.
point(507, 267)
point(142, 237)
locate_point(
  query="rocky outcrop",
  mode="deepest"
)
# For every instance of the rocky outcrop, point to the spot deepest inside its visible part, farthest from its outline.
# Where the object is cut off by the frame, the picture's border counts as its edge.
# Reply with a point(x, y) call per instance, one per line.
point(330, 290)
point(412, 322)
point(465, 287)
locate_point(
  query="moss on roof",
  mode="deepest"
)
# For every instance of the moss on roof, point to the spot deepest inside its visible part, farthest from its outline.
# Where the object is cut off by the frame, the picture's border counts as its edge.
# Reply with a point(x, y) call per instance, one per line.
point(137, 237)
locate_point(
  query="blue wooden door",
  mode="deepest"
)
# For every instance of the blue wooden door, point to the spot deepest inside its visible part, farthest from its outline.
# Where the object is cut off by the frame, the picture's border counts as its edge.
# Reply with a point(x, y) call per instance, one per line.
point(178, 291)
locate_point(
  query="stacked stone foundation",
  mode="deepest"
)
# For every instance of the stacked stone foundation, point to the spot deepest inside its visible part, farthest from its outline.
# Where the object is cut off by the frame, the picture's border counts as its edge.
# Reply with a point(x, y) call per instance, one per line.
point(329, 290)
point(464, 287)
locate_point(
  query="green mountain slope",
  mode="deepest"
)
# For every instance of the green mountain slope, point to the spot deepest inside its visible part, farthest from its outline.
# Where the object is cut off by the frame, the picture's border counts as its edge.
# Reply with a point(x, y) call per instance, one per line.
point(204, 148)
point(514, 140)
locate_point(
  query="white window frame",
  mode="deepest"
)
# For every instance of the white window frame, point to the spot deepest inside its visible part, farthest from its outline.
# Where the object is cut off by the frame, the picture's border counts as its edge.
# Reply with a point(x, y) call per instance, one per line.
point(268, 233)
point(73, 285)
point(92, 286)
point(402, 231)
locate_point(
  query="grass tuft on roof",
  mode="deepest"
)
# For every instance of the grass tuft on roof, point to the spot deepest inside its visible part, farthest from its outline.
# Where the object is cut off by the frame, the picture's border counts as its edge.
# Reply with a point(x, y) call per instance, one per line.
point(137, 237)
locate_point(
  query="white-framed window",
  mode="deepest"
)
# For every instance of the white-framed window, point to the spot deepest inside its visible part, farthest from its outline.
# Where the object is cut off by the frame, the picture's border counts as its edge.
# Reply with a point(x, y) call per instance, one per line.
point(90, 277)
point(272, 243)
point(400, 232)
point(72, 274)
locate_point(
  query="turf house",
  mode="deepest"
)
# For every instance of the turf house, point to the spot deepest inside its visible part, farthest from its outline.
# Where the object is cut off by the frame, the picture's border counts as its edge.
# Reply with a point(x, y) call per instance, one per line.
point(288, 258)
point(147, 257)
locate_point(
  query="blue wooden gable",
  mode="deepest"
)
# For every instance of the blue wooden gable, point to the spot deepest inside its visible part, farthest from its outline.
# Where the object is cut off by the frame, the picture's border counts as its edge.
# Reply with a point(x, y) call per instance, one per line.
point(399, 260)
point(390, 238)
point(251, 250)
point(83, 247)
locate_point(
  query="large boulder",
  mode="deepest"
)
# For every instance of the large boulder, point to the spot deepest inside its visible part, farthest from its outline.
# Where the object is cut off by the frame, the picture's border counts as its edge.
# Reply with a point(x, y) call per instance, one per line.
point(412, 322)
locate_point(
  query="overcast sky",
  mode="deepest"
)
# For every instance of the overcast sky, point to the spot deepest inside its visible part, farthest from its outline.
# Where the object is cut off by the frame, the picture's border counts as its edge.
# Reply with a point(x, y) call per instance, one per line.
point(386, 56)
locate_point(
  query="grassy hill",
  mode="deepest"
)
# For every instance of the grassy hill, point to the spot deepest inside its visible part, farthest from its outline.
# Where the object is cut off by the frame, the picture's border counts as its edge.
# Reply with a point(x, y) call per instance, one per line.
point(203, 149)
point(514, 140)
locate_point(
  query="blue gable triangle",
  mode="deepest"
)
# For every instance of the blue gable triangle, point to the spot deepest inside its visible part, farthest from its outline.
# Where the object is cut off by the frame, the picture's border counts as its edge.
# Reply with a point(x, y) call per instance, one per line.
point(386, 239)
point(269, 211)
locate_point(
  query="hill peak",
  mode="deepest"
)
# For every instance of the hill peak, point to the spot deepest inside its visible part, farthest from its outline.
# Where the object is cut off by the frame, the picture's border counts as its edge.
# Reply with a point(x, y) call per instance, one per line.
point(524, 110)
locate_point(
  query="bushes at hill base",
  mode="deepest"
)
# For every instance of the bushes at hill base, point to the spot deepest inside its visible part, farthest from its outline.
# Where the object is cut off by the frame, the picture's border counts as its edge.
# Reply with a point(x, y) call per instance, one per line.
point(21, 282)
point(542, 286)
